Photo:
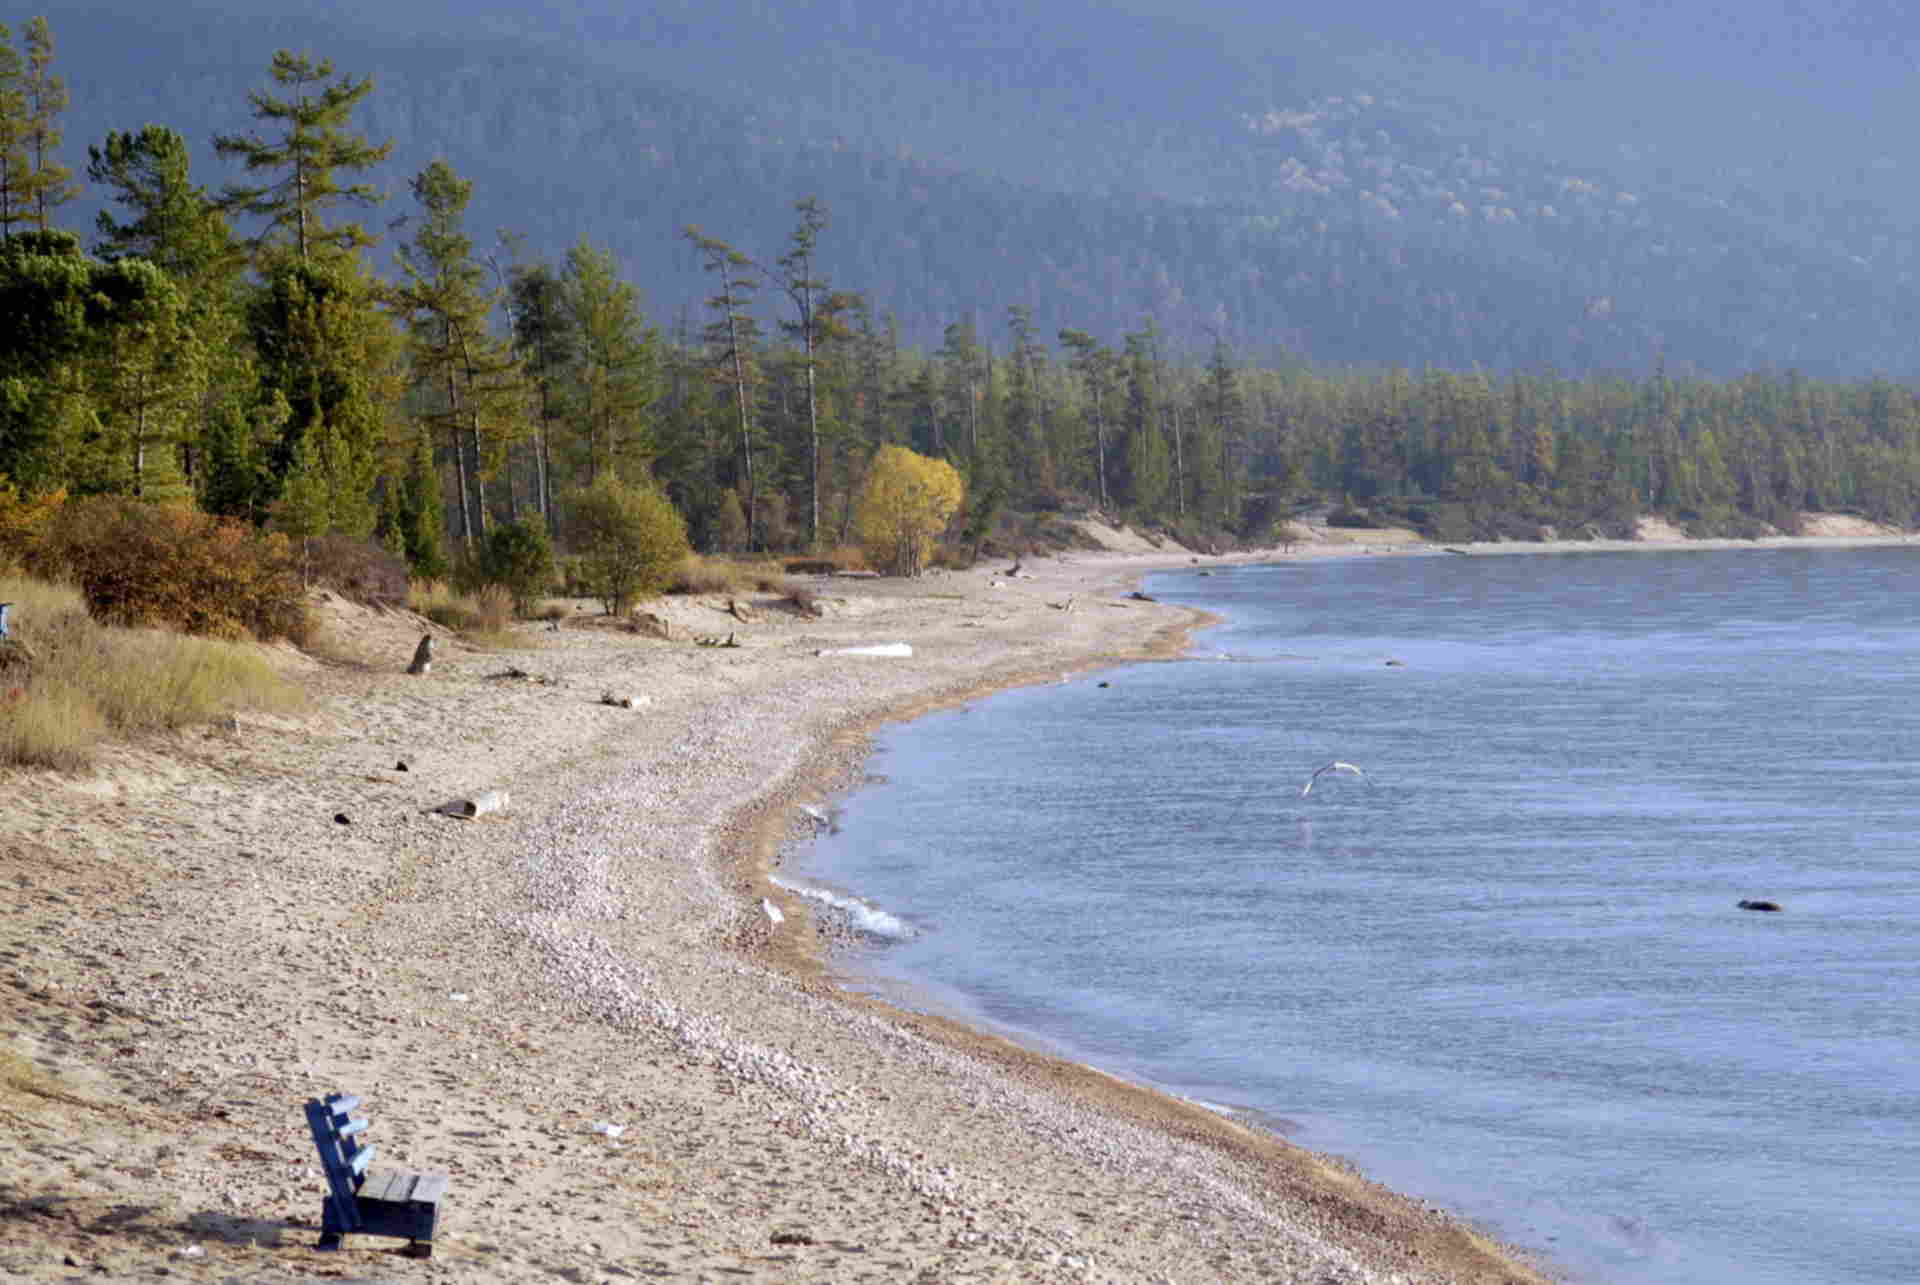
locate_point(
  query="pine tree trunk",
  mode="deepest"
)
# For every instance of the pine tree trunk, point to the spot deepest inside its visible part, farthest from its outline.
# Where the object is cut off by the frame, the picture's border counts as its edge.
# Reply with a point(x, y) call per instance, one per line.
point(479, 487)
point(813, 451)
point(746, 432)
point(466, 510)
point(460, 465)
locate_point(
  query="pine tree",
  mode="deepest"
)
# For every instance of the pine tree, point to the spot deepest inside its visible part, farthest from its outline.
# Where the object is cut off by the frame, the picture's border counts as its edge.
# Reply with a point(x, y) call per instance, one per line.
point(415, 518)
point(49, 183)
point(1026, 426)
point(16, 167)
point(617, 372)
point(1148, 472)
point(328, 353)
point(52, 314)
point(544, 334)
point(1094, 365)
point(732, 338)
point(816, 321)
point(964, 376)
point(467, 381)
point(145, 381)
point(172, 222)
point(1221, 447)
point(312, 143)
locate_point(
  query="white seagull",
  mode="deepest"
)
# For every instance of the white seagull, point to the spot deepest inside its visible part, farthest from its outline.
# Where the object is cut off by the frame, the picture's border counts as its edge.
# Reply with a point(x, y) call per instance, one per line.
point(1335, 766)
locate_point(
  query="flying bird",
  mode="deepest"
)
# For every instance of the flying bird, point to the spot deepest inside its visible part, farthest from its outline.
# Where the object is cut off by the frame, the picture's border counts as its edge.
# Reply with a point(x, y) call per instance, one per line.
point(1335, 766)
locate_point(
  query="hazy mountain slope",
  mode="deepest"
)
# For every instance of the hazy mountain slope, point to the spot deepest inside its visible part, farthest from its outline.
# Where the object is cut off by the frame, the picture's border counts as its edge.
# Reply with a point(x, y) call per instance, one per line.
point(1094, 165)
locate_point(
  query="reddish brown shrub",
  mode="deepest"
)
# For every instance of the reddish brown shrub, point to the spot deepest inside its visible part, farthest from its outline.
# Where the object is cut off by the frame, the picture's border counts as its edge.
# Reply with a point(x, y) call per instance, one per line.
point(358, 570)
point(174, 568)
point(23, 520)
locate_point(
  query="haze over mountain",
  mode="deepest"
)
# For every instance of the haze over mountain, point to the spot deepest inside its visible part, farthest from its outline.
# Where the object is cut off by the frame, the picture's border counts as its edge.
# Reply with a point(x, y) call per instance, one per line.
point(1578, 184)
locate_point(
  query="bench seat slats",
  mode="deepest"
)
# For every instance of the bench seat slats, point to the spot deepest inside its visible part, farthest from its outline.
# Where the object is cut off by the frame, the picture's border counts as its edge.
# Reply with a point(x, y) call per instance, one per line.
point(431, 1187)
point(399, 1187)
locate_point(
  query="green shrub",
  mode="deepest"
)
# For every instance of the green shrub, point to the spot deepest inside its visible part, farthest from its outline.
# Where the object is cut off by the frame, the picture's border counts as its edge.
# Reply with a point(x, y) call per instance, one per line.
point(727, 527)
point(172, 567)
point(630, 540)
point(516, 558)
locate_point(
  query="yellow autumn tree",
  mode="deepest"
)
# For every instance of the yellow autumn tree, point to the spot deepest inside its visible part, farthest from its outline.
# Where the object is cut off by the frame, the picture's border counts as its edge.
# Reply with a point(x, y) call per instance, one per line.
point(907, 503)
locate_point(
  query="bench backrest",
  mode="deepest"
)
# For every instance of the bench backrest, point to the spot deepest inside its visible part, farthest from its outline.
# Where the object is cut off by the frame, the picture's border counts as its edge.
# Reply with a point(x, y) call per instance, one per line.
point(336, 1133)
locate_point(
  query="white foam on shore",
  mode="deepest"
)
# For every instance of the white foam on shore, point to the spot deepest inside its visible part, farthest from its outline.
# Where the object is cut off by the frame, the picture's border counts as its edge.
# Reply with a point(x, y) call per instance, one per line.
point(863, 916)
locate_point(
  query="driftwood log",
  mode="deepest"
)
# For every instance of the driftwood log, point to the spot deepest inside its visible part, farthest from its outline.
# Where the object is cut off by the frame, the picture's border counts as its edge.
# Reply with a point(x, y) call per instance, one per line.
point(872, 649)
point(422, 656)
point(622, 701)
point(477, 806)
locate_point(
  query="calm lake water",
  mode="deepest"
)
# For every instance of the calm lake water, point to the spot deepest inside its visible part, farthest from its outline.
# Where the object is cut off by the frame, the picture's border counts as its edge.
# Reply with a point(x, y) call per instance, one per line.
point(1506, 970)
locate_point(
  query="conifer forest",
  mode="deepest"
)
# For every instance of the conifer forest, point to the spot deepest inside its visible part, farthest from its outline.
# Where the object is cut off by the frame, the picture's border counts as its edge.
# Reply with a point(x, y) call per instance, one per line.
point(282, 343)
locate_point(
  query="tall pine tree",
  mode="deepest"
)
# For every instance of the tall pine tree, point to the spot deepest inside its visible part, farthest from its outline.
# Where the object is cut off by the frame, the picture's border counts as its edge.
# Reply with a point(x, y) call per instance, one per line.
point(309, 144)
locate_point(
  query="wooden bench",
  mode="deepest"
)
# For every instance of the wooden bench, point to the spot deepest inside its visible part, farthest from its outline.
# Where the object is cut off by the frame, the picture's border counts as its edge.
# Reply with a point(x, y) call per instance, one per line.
point(371, 1202)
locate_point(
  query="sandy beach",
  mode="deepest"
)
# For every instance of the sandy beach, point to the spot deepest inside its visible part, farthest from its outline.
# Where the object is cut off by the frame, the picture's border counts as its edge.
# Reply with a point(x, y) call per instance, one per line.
point(579, 1006)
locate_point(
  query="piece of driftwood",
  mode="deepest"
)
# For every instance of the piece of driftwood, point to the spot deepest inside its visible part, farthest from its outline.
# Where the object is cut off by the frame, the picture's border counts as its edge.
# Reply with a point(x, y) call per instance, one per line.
point(741, 612)
point(874, 649)
point(515, 672)
point(728, 641)
point(620, 701)
point(422, 656)
point(477, 806)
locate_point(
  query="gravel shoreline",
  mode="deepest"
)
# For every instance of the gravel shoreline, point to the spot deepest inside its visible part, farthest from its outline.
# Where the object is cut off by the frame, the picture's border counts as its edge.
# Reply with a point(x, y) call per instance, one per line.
point(580, 1007)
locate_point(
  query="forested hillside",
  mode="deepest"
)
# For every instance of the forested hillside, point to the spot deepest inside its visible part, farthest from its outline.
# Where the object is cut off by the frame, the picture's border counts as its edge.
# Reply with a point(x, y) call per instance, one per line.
point(303, 314)
point(1097, 167)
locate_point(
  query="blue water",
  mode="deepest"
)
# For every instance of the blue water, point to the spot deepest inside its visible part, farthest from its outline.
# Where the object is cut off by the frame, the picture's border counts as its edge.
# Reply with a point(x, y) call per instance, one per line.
point(1504, 971)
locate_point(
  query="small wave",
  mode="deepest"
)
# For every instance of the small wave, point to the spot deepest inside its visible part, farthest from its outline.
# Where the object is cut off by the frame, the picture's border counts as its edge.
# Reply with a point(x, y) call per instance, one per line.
point(861, 916)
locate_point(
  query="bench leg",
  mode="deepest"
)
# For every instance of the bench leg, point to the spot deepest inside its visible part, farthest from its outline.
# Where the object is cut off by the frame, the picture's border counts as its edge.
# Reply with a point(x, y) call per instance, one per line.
point(331, 1231)
point(418, 1249)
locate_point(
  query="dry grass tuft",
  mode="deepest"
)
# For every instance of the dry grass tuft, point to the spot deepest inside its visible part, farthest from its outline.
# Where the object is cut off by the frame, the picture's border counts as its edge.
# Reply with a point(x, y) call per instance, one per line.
point(704, 574)
point(847, 557)
point(486, 611)
point(90, 681)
